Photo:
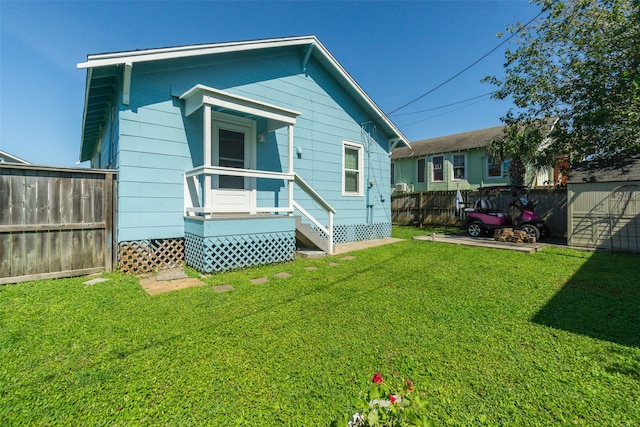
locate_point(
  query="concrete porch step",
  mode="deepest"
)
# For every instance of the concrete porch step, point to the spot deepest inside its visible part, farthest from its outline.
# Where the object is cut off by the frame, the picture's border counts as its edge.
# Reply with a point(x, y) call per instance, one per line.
point(310, 253)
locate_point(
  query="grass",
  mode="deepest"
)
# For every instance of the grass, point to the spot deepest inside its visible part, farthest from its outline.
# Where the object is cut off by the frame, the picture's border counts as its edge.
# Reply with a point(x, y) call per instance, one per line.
point(492, 337)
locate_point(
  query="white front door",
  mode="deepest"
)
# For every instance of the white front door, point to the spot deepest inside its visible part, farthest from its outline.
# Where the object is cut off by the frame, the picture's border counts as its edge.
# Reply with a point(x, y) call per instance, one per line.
point(233, 146)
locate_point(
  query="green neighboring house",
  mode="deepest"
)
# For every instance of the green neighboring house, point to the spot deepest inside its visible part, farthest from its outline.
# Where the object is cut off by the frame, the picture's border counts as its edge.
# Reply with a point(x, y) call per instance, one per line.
point(455, 162)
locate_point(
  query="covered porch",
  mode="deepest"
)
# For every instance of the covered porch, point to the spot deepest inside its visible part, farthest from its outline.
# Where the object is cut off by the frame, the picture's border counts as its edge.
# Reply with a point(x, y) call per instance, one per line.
point(229, 195)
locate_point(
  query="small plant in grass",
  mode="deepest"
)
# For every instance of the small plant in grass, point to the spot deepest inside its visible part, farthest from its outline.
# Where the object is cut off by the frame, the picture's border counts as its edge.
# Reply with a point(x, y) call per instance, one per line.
point(385, 406)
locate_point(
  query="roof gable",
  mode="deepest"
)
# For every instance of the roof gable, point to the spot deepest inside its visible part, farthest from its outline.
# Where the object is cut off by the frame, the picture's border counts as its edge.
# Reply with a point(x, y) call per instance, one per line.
point(106, 70)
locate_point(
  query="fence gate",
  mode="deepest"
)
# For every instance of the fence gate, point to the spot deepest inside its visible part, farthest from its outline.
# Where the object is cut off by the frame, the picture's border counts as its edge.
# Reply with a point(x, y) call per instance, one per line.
point(55, 222)
point(624, 218)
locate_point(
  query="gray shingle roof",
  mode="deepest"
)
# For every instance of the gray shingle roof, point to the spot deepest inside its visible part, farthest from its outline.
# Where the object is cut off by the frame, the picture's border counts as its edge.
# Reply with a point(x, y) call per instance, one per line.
point(612, 170)
point(444, 144)
point(457, 142)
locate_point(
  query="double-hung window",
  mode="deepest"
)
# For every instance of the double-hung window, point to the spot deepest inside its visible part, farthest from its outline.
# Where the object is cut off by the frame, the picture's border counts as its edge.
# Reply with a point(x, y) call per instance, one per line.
point(437, 168)
point(494, 170)
point(352, 169)
point(459, 163)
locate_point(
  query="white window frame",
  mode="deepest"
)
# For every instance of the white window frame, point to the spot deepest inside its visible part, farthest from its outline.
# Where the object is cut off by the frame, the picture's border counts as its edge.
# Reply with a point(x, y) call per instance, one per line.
point(489, 161)
point(360, 149)
point(453, 167)
point(433, 170)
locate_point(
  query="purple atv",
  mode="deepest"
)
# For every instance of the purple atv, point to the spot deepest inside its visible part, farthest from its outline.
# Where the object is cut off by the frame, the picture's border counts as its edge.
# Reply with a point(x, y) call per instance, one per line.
point(484, 217)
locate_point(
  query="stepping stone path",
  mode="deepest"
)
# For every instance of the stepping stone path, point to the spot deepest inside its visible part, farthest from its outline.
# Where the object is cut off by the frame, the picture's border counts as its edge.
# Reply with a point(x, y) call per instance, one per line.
point(176, 278)
point(283, 275)
point(169, 280)
point(222, 288)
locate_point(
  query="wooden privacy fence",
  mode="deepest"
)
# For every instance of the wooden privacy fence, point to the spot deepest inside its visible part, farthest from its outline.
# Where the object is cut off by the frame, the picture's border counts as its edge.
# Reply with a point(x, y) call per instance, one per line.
point(55, 222)
point(438, 207)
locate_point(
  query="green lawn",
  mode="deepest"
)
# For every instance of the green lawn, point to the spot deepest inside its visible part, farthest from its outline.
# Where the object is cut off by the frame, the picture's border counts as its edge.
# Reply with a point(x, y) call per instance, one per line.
point(492, 338)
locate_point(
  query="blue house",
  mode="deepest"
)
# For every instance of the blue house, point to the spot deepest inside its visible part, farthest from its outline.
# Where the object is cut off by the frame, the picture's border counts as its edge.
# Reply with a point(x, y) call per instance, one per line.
point(241, 150)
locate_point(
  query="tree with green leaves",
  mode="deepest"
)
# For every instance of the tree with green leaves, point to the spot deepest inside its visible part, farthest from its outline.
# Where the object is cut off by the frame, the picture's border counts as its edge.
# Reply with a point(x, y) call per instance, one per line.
point(580, 63)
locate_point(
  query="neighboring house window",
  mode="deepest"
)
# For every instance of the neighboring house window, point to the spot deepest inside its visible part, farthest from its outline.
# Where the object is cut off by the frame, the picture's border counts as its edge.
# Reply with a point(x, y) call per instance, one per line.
point(422, 169)
point(459, 166)
point(352, 169)
point(393, 173)
point(494, 170)
point(437, 168)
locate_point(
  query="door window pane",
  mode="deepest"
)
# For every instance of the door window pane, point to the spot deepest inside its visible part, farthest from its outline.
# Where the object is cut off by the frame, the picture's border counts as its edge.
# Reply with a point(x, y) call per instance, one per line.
point(231, 155)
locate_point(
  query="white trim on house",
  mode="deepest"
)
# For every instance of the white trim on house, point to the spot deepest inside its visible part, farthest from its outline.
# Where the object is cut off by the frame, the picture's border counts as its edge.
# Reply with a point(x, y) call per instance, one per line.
point(360, 170)
point(453, 166)
point(10, 158)
point(200, 95)
point(486, 167)
point(433, 169)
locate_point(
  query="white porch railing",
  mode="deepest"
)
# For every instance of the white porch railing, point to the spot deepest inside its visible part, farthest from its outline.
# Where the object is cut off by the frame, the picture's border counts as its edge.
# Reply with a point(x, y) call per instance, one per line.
point(200, 202)
point(326, 206)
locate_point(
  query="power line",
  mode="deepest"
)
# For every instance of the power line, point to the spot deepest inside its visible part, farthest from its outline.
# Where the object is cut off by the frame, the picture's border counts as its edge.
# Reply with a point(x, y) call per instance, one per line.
point(522, 27)
point(442, 114)
point(444, 106)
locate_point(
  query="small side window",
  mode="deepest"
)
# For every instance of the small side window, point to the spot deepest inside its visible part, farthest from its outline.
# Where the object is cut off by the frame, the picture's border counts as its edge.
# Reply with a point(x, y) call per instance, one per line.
point(437, 168)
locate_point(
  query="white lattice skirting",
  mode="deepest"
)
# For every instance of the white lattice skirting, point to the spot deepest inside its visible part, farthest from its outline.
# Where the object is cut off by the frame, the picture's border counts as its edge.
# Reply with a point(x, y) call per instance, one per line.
point(358, 232)
point(223, 253)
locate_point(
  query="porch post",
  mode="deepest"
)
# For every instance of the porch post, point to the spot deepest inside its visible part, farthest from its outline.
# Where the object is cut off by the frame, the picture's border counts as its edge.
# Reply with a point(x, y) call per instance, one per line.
point(206, 137)
point(290, 169)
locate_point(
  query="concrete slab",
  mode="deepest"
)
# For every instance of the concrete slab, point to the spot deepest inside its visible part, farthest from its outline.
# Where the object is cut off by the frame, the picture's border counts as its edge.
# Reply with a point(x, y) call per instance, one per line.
point(348, 258)
point(333, 264)
point(171, 274)
point(310, 253)
point(483, 242)
point(311, 268)
point(356, 246)
point(259, 281)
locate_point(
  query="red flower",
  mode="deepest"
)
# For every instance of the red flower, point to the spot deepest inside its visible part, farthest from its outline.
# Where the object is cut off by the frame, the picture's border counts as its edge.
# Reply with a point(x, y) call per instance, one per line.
point(409, 386)
point(377, 378)
point(392, 398)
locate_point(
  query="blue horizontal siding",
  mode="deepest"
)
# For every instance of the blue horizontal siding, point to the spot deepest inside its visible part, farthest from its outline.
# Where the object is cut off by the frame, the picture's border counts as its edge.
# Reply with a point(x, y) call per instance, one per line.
point(158, 144)
point(146, 232)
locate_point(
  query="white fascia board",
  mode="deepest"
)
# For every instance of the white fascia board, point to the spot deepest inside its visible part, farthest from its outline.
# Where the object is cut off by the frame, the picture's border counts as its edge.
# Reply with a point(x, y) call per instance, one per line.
point(102, 60)
point(199, 95)
point(345, 76)
point(84, 112)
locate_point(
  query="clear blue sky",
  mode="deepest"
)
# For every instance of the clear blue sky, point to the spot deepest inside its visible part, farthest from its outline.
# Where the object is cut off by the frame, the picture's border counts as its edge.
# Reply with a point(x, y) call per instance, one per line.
point(396, 51)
